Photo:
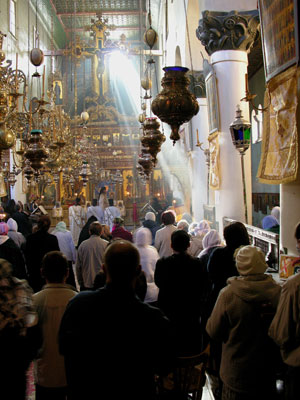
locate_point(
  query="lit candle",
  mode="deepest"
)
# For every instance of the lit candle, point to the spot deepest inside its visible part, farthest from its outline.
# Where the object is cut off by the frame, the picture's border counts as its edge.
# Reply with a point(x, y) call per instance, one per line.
point(197, 136)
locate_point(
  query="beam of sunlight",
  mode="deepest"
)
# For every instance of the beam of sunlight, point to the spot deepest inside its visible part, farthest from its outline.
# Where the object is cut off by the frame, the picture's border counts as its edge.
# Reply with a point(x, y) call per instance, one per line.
point(124, 75)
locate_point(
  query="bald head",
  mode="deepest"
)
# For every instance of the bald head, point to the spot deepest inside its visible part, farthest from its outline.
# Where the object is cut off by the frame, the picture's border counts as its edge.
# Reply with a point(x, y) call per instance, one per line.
point(122, 262)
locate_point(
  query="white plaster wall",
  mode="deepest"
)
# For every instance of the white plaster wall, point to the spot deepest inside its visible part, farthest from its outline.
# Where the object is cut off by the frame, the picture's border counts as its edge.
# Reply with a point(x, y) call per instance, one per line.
point(228, 5)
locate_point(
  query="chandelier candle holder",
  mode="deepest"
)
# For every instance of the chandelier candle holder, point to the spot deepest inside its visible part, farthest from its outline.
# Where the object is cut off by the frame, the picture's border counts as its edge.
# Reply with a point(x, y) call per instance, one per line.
point(85, 172)
point(175, 104)
point(152, 138)
point(36, 153)
point(241, 138)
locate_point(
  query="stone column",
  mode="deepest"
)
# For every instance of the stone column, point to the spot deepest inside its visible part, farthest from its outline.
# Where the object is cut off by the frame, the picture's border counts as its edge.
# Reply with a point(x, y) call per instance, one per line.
point(227, 37)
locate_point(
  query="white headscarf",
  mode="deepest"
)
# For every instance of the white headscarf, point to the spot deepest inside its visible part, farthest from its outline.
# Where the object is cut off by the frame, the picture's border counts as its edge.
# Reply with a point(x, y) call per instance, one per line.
point(150, 216)
point(12, 225)
point(143, 237)
point(202, 228)
point(276, 213)
point(211, 239)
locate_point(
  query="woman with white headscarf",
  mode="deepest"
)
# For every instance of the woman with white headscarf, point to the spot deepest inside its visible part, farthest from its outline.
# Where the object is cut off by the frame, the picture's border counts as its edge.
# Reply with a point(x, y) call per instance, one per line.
point(13, 233)
point(149, 256)
point(202, 229)
point(67, 247)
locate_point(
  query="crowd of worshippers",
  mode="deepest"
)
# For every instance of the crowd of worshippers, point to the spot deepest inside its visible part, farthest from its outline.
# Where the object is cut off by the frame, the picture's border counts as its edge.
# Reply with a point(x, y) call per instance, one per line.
point(106, 316)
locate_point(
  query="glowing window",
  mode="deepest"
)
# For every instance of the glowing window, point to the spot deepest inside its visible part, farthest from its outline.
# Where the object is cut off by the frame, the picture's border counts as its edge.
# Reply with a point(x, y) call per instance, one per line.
point(12, 17)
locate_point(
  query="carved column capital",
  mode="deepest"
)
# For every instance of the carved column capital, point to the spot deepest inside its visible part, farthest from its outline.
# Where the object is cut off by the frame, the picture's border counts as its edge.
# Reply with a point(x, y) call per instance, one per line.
point(228, 30)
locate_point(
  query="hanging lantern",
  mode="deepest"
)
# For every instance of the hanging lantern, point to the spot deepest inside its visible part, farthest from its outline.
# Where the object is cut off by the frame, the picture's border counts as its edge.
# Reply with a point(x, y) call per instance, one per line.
point(152, 138)
point(145, 160)
point(36, 57)
point(28, 171)
point(175, 104)
point(150, 37)
point(85, 172)
point(240, 132)
point(12, 177)
point(7, 139)
point(36, 153)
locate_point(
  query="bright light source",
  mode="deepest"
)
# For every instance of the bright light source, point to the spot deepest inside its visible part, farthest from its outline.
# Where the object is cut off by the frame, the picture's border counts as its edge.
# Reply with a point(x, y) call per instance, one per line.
point(122, 69)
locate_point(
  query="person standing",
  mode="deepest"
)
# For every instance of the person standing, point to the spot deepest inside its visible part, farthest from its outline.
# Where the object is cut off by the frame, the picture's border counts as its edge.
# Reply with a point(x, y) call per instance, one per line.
point(76, 220)
point(110, 213)
point(239, 322)
point(95, 210)
point(150, 223)
point(50, 303)
point(11, 252)
point(119, 232)
point(285, 329)
point(162, 240)
point(22, 219)
point(67, 247)
point(103, 202)
point(37, 245)
point(133, 333)
point(13, 233)
point(181, 282)
point(90, 257)
point(19, 334)
point(149, 257)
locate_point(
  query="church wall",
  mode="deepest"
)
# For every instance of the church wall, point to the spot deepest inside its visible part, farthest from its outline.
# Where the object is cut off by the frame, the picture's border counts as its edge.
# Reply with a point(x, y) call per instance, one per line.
point(228, 5)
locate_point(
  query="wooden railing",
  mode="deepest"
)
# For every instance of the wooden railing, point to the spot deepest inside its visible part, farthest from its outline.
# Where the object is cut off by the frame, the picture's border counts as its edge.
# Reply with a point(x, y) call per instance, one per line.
point(267, 241)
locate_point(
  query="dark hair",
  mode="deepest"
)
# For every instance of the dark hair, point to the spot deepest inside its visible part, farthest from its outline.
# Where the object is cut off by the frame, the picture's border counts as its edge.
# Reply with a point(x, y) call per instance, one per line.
point(118, 221)
point(77, 201)
point(44, 223)
point(167, 218)
point(297, 232)
point(94, 202)
point(18, 207)
point(180, 240)
point(103, 189)
point(111, 202)
point(236, 235)
point(121, 259)
point(95, 228)
point(54, 266)
point(11, 207)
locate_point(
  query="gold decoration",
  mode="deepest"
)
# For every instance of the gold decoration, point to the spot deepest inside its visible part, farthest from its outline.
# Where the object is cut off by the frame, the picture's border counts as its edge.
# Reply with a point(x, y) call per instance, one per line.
point(7, 139)
point(214, 169)
point(279, 158)
point(153, 138)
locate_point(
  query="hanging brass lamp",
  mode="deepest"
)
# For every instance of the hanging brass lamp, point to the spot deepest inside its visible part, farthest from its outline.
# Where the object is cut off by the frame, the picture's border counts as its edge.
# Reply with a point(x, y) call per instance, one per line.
point(153, 138)
point(175, 104)
point(36, 153)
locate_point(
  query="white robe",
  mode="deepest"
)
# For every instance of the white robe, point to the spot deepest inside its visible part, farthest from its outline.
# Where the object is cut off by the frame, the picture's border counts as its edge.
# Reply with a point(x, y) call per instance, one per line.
point(76, 221)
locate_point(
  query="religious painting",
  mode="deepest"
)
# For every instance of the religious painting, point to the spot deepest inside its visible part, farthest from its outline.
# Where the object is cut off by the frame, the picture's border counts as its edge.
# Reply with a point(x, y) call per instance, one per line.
point(214, 161)
point(279, 29)
point(289, 265)
point(212, 97)
point(57, 87)
point(209, 213)
point(128, 183)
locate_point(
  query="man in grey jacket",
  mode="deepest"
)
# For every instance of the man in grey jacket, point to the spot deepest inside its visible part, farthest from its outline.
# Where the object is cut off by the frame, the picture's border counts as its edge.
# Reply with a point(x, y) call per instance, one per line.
point(90, 257)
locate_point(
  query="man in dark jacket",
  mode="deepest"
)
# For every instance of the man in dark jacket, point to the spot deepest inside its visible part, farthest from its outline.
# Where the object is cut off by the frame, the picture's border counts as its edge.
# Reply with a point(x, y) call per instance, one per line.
point(37, 245)
point(181, 282)
point(136, 338)
point(85, 231)
point(23, 221)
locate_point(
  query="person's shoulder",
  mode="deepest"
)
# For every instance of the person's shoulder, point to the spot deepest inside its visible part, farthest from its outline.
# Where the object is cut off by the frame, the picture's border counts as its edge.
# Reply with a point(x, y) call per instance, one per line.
point(292, 283)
